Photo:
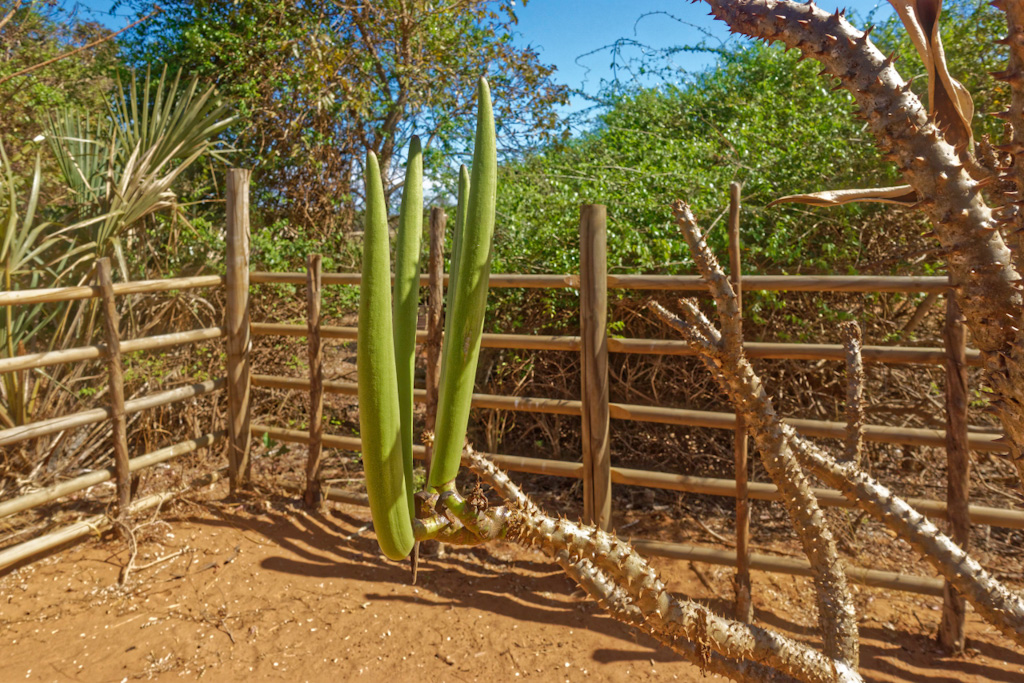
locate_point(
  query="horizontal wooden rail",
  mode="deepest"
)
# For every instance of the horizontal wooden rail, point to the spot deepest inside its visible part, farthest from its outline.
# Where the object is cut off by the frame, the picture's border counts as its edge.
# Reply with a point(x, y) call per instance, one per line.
point(54, 294)
point(334, 494)
point(793, 566)
point(66, 488)
point(1009, 519)
point(998, 517)
point(671, 283)
point(908, 436)
point(515, 463)
point(892, 355)
point(788, 283)
point(84, 353)
point(88, 417)
point(326, 331)
point(86, 527)
point(524, 281)
point(494, 341)
point(525, 404)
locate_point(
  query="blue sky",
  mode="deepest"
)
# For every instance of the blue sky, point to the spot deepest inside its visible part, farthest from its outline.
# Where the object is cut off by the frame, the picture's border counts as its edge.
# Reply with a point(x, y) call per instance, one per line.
point(565, 31)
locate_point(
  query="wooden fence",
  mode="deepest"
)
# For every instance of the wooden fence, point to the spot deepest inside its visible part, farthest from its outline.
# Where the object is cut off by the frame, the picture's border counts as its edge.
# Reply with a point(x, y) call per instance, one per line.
point(594, 408)
point(117, 409)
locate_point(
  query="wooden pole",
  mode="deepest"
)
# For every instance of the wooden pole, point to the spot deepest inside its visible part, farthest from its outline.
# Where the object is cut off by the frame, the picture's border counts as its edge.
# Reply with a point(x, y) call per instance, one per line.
point(597, 479)
point(435, 319)
point(314, 283)
point(958, 469)
point(115, 382)
point(744, 605)
point(236, 322)
point(435, 332)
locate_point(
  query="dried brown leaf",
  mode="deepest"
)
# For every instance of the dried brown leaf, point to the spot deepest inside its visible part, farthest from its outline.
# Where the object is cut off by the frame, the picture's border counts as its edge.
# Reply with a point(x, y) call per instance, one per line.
point(901, 194)
point(948, 100)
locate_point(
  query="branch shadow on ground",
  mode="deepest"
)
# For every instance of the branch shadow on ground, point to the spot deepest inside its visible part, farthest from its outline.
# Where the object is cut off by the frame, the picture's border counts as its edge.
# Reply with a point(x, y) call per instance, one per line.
point(338, 546)
point(330, 547)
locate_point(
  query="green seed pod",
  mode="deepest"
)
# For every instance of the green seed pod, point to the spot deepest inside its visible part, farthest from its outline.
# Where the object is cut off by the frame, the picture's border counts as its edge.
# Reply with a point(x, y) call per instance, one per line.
point(379, 421)
point(453, 269)
point(460, 223)
point(407, 295)
point(464, 325)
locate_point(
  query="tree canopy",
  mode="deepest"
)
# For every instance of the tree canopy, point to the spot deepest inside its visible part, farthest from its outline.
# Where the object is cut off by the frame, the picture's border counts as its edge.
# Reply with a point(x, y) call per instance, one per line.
point(319, 82)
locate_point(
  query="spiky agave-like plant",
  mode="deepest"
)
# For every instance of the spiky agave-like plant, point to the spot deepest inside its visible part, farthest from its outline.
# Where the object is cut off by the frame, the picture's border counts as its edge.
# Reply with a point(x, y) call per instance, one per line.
point(387, 338)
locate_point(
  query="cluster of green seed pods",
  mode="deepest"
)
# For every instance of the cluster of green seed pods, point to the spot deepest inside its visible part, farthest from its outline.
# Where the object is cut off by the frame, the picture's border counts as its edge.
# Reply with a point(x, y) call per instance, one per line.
point(387, 332)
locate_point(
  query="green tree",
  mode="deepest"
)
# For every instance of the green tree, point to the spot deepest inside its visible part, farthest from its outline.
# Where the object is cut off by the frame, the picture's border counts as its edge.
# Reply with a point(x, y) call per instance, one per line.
point(760, 116)
point(33, 32)
point(320, 82)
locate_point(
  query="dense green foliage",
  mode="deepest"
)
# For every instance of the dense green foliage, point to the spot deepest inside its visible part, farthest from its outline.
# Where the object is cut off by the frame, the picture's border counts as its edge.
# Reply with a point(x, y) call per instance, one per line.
point(35, 32)
point(761, 117)
point(314, 85)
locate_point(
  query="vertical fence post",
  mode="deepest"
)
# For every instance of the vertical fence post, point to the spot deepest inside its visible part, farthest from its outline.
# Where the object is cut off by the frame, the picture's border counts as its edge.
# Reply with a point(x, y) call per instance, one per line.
point(958, 468)
point(115, 382)
point(236, 322)
point(435, 302)
point(314, 280)
point(597, 478)
point(744, 606)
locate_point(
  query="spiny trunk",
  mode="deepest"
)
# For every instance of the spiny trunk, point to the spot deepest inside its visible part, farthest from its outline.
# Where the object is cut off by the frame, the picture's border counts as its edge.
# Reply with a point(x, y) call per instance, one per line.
point(622, 581)
point(723, 354)
point(990, 598)
point(616, 601)
point(1007, 377)
point(978, 259)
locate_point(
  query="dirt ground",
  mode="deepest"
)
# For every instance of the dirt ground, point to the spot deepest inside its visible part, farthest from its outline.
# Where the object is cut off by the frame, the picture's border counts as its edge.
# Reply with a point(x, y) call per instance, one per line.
point(267, 591)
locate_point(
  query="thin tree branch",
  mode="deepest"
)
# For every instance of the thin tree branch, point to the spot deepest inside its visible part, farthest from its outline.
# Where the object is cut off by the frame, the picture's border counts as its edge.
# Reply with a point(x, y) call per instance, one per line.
point(723, 353)
point(854, 439)
point(11, 13)
point(87, 46)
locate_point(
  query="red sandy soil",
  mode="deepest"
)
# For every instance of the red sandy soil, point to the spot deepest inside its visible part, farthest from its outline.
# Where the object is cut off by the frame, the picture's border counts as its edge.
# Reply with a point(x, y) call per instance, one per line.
point(267, 591)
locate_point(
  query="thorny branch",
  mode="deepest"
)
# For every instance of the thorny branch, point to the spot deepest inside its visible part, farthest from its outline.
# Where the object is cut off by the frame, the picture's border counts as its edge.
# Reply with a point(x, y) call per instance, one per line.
point(850, 332)
point(940, 170)
point(993, 601)
point(722, 353)
point(624, 584)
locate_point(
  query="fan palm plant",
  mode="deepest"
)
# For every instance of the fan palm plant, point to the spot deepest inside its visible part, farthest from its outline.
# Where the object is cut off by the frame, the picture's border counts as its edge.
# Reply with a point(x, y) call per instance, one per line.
point(21, 244)
point(120, 170)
